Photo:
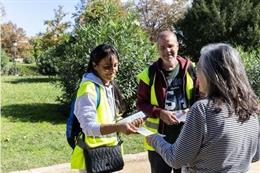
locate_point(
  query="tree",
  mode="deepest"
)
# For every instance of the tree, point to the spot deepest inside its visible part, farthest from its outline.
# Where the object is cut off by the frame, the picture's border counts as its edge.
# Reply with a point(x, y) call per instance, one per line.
point(159, 15)
point(106, 22)
point(54, 35)
point(92, 10)
point(78, 14)
point(252, 65)
point(235, 21)
point(14, 41)
point(55, 30)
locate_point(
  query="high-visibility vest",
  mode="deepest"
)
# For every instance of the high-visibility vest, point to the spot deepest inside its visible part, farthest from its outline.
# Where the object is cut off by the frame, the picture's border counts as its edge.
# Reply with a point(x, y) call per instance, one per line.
point(104, 116)
point(152, 124)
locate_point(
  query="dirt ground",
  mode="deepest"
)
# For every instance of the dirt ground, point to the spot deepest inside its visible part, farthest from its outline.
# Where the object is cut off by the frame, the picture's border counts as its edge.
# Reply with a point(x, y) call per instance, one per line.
point(134, 163)
point(141, 165)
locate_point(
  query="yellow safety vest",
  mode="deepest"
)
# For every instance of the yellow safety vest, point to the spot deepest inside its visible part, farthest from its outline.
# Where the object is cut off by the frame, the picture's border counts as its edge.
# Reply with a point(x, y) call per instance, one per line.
point(104, 116)
point(152, 124)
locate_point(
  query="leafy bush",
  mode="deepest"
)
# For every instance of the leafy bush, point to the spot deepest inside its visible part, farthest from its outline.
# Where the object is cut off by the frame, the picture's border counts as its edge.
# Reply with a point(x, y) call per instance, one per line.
point(108, 25)
point(46, 58)
point(13, 70)
point(252, 65)
point(28, 69)
point(29, 60)
point(46, 62)
point(4, 62)
point(235, 21)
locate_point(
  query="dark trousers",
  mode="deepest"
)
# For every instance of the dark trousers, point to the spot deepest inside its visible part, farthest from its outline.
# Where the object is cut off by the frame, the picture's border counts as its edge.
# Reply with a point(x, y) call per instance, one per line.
point(158, 165)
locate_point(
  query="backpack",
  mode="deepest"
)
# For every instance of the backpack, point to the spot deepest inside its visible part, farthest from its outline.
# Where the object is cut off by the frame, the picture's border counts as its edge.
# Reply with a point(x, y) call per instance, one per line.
point(73, 129)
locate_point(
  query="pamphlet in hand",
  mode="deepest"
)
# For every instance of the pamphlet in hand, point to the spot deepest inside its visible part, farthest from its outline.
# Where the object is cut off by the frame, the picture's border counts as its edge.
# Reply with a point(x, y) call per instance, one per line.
point(141, 130)
point(181, 115)
point(132, 117)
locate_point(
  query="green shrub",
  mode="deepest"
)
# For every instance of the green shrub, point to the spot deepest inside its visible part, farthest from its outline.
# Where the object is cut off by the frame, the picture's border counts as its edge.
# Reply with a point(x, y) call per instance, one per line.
point(46, 62)
point(28, 69)
point(252, 66)
point(29, 60)
point(4, 62)
point(121, 30)
point(13, 70)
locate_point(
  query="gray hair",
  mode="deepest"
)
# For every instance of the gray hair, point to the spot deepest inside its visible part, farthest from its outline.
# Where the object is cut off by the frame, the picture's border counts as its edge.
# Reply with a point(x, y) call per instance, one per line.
point(227, 81)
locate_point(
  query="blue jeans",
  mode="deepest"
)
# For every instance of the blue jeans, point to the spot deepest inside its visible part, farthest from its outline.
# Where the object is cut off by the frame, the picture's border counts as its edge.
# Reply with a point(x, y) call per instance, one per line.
point(158, 165)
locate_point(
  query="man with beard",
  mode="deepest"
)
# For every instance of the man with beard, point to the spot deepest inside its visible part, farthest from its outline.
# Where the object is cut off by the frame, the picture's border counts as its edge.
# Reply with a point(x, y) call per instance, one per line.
point(165, 87)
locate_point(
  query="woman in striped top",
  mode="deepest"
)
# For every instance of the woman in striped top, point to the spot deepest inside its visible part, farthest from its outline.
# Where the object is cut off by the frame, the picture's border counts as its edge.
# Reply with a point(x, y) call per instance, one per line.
point(222, 132)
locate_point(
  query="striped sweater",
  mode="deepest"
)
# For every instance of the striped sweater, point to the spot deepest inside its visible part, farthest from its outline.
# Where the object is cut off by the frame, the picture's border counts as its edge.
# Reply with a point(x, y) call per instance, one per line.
point(212, 142)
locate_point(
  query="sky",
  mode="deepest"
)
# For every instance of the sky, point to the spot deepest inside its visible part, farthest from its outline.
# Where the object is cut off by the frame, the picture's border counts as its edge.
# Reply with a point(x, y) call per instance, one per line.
point(30, 14)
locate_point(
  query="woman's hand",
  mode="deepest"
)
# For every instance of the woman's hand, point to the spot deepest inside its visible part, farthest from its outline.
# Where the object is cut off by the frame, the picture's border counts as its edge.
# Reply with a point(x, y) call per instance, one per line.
point(130, 127)
point(127, 128)
point(137, 122)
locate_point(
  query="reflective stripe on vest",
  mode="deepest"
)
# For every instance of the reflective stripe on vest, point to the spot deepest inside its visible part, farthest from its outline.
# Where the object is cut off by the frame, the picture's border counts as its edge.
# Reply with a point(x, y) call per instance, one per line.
point(189, 84)
point(152, 124)
point(103, 116)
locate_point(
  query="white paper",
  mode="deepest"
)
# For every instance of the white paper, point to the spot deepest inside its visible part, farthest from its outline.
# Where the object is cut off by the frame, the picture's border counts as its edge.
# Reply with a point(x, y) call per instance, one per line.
point(132, 117)
point(143, 131)
point(181, 115)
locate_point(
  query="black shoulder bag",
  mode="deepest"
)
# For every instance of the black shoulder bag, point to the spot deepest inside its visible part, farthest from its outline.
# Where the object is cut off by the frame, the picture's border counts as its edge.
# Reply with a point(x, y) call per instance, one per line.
point(102, 159)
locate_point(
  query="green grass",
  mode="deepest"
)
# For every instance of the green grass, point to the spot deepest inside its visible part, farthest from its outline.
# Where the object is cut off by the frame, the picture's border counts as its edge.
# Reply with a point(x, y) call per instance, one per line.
point(33, 125)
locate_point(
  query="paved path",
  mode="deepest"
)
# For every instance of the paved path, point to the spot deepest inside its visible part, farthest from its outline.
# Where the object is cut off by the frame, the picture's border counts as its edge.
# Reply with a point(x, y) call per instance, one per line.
point(134, 163)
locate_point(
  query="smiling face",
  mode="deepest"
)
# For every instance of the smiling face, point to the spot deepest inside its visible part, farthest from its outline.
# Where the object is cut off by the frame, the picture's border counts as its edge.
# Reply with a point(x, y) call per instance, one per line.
point(168, 49)
point(107, 68)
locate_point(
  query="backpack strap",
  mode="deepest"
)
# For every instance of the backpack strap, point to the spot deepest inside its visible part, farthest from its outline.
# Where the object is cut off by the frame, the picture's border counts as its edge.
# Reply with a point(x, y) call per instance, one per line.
point(98, 94)
point(73, 130)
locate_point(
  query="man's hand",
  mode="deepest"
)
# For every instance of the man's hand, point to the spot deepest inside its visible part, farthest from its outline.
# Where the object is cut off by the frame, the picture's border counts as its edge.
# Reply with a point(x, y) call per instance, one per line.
point(168, 117)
